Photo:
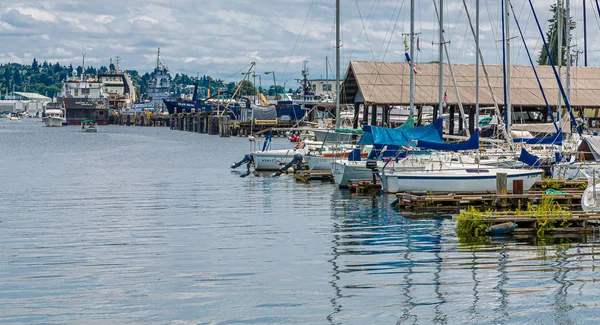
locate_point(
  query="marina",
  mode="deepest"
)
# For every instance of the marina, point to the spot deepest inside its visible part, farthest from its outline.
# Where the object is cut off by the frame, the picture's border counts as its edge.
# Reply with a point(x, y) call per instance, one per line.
point(220, 167)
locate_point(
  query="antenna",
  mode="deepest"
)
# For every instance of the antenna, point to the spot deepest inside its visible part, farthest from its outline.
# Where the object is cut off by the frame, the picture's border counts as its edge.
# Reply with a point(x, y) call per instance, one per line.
point(117, 61)
point(83, 66)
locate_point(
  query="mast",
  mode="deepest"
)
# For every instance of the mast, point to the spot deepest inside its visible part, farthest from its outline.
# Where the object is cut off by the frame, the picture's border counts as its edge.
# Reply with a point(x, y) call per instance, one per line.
point(453, 76)
point(476, 66)
point(584, 35)
point(83, 66)
point(507, 105)
point(501, 127)
point(441, 59)
point(338, 120)
point(559, 46)
point(412, 57)
point(327, 75)
point(568, 30)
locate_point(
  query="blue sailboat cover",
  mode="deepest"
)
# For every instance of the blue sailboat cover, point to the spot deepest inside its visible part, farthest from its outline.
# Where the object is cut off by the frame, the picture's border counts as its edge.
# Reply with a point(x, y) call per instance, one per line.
point(529, 159)
point(399, 137)
point(556, 139)
point(471, 144)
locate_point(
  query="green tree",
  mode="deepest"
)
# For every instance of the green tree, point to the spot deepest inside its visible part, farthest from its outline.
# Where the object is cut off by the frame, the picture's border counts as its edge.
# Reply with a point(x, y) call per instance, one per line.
point(246, 88)
point(552, 37)
point(35, 65)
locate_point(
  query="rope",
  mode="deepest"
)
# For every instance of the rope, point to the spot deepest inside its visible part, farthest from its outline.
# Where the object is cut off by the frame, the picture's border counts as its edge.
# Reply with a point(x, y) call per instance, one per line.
point(537, 78)
point(560, 86)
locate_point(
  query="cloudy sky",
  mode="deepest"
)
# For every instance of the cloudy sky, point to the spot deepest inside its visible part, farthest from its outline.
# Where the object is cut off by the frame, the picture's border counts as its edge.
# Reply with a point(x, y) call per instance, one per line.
point(220, 38)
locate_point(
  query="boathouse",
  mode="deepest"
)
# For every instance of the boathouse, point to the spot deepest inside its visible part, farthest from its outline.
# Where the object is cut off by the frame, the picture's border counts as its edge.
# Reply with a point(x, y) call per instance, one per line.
point(372, 85)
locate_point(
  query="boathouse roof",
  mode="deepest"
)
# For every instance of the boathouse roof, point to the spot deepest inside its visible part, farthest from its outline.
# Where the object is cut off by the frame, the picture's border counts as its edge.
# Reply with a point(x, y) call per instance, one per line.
point(387, 83)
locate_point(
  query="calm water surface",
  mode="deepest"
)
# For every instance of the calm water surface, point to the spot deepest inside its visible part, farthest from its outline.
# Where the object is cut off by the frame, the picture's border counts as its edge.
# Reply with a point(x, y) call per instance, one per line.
point(150, 226)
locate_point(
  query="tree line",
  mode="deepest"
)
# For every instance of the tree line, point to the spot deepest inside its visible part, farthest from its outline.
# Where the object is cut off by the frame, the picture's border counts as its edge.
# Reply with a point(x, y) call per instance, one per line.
point(46, 78)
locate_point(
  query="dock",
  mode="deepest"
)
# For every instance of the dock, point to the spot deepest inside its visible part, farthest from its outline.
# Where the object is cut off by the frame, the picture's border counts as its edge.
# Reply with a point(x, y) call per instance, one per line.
point(305, 175)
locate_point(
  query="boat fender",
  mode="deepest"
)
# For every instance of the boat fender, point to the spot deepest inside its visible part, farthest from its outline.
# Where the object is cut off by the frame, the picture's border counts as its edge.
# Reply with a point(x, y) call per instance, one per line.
point(501, 228)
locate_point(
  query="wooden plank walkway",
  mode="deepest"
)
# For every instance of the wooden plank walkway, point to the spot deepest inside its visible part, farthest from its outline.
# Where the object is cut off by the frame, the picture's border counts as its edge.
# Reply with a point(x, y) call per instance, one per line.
point(305, 175)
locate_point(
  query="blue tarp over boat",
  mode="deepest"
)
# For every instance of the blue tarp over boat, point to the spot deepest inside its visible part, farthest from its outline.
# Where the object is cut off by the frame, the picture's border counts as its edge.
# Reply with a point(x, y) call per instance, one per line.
point(471, 144)
point(399, 137)
point(556, 139)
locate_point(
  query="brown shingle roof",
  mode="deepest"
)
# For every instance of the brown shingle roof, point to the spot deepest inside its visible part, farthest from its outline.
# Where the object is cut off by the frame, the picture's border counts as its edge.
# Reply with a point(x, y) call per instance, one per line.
point(387, 83)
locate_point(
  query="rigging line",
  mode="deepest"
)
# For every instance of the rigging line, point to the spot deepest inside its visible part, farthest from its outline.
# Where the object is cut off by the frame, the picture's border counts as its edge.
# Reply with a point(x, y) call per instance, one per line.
point(361, 31)
point(451, 35)
point(306, 35)
point(560, 86)
point(491, 19)
point(392, 23)
point(364, 28)
point(298, 37)
point(533, 66)
point(380, 65)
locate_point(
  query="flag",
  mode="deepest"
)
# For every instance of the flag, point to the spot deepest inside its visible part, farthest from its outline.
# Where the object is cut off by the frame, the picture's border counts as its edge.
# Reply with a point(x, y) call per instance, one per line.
point(418, 45)
point(407, 57)
point(405, 45)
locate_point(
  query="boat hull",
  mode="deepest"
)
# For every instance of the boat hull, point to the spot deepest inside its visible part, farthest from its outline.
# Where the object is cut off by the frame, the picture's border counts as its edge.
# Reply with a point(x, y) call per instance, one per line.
point(345, 171)
point(54, 121)
point(273, 160)
point(467, 180)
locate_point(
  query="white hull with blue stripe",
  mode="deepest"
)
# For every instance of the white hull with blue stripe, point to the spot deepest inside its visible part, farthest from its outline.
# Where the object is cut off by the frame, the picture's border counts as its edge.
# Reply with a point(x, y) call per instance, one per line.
point(475, 179)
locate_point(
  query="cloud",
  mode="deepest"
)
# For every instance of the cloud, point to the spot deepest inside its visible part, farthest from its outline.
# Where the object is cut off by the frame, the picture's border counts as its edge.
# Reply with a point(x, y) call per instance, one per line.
point(219, 38)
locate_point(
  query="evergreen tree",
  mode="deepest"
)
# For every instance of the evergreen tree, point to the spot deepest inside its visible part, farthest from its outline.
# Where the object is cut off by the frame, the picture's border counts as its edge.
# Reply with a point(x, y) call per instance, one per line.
point(35, 65)
point(552, 37)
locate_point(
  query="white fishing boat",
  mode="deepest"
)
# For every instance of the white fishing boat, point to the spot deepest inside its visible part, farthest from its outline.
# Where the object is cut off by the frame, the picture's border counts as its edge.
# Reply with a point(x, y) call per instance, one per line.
point(471, 178)
point(55, 117)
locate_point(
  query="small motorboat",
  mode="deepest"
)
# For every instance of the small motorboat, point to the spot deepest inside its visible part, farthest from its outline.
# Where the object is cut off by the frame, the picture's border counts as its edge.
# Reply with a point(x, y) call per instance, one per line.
point(88, 126)
point(14, 116)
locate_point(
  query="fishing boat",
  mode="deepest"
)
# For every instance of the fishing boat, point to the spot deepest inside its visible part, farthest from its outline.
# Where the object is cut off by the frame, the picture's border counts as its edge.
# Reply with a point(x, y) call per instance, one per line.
point(54, 115)
point(88, 126)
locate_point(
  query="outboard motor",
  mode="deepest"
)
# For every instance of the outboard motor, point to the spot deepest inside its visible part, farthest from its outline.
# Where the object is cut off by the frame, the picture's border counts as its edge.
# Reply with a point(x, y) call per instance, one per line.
point(296, 160)
point(372, 165)
point(248, 160)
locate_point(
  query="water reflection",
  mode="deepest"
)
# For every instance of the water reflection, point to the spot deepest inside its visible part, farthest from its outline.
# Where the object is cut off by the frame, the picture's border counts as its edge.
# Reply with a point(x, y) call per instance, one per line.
point(410, 270)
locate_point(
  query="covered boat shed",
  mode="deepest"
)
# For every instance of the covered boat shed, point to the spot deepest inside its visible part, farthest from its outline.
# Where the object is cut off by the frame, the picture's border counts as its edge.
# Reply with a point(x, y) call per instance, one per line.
point(387, 84)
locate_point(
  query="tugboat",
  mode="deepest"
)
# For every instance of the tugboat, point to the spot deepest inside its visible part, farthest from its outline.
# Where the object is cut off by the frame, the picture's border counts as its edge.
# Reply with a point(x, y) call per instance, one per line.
point(158, 90)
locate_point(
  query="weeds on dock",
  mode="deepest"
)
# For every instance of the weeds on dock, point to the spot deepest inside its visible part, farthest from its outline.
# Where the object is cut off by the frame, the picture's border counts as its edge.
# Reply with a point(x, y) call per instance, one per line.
point(549, 214)
point(472, 224)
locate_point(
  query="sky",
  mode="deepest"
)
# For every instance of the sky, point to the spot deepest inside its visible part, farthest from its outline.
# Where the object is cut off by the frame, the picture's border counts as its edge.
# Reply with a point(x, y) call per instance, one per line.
point(221, 38)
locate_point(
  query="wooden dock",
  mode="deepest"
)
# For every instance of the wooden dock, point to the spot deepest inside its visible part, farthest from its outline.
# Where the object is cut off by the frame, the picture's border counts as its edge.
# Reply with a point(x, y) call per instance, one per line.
point(305, 175)
point(454, 202)
point(567, 193)
point(565, 223)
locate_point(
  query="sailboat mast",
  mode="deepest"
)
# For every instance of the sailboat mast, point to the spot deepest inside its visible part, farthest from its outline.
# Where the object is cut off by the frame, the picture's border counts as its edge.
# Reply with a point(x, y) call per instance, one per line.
point(441, 59)
point(476, 65)
point(584, 34)
point(568, 30)
point(327, 75)
point(507, 104)
point(412, 57)
point(338, 120)
point(559, 46)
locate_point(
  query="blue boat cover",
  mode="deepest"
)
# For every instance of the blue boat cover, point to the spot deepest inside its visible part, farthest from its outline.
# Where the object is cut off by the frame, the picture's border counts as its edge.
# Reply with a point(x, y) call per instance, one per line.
point(556, 139)
point(529, 159)
point(399, 137)
point(471, 144)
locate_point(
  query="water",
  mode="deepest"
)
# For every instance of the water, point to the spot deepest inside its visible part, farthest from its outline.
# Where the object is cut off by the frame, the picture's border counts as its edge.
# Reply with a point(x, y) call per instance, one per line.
point(150, 226)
